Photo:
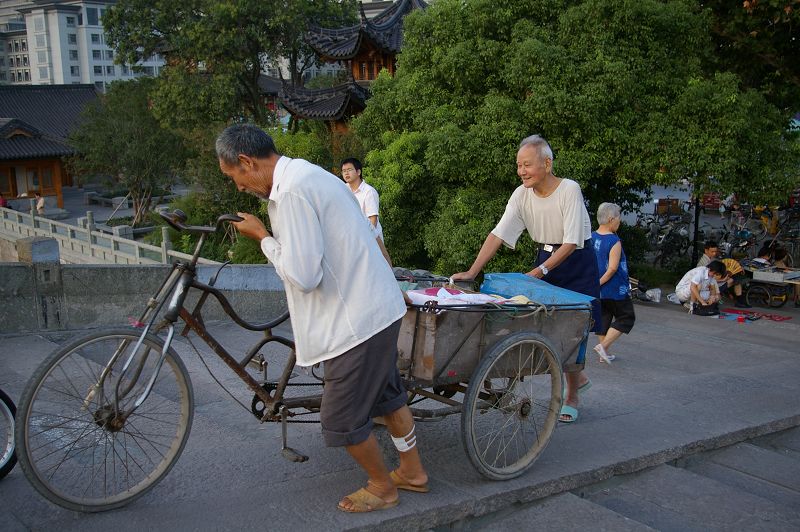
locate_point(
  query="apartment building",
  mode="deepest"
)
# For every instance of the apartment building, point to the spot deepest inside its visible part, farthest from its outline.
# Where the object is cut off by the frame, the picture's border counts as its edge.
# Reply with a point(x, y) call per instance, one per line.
point(60, 42)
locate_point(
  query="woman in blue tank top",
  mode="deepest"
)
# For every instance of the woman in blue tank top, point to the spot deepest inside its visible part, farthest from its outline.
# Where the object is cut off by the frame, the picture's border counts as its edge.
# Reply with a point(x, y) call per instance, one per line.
point(616, 305)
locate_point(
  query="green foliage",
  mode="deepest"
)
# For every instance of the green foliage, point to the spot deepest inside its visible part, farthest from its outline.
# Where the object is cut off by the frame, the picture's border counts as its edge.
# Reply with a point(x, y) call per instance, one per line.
point(634, 242)
point(217, 50)
point(120, 139)
point(625, 91)
point(656, 277)
point(246, 251)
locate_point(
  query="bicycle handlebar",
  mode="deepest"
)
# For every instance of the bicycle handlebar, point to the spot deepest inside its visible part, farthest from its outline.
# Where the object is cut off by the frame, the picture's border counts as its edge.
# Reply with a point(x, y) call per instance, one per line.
point(177, 219)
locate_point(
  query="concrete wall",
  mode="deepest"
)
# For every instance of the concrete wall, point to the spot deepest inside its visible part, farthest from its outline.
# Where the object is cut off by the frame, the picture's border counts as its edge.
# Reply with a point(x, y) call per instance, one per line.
point(46, 295)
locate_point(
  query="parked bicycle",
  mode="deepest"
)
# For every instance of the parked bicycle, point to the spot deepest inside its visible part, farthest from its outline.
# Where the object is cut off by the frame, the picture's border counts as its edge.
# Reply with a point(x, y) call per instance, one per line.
point(8, 457)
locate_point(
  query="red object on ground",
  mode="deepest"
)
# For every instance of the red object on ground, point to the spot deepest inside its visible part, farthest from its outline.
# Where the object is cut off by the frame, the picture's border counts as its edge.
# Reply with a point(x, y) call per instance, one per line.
point(773, 317)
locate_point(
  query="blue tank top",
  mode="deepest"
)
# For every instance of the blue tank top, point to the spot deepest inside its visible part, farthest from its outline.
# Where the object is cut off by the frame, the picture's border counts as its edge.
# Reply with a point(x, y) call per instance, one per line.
point(618, 287)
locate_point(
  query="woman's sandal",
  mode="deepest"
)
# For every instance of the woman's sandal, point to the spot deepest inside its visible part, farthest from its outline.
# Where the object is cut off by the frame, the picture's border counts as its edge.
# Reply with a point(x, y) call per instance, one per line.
point(366, 501)
point(402, 484)
point(570, 412)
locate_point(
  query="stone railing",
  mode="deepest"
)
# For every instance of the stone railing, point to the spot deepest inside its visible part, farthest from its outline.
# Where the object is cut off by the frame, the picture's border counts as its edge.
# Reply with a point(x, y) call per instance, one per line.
point(38, 293)
point(85, 244)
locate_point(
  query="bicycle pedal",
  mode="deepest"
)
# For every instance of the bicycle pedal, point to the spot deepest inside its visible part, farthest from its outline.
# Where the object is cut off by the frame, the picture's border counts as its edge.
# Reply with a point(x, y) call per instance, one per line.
point(293, 456)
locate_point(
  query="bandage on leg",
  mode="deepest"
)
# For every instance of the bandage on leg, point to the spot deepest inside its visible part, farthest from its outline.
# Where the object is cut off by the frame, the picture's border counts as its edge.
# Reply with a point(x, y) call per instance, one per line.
point(407, 442)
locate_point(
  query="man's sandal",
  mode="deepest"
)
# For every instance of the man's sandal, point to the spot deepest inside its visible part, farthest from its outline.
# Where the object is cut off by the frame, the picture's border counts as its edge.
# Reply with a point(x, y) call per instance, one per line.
point(402, 484)
point(365, 501)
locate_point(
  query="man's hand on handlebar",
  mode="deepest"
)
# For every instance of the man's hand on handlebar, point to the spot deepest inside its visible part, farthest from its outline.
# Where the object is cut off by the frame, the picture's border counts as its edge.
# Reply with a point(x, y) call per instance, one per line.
point(251, 227)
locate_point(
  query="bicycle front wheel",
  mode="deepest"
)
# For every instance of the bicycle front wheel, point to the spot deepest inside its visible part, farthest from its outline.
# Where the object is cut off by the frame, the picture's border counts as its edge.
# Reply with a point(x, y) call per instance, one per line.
point(511, 406)
point(81, 442)
point(7, 455)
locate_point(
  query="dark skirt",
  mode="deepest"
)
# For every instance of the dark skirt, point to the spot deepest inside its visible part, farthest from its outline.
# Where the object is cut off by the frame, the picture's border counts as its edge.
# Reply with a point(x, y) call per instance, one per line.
point(578, 273)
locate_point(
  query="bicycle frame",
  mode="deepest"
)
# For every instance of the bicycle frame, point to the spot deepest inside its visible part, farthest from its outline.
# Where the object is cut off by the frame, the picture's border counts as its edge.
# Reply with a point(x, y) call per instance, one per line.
point(177, 285)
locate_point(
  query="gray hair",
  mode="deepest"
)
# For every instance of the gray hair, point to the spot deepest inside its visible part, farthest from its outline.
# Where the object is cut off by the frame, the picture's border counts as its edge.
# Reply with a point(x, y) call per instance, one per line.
point(607, 212)
point(245, 139)
point(540, 144)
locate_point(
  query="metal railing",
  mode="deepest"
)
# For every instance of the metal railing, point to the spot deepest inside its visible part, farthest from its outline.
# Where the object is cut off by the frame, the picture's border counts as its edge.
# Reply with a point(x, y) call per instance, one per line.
point(88, 243)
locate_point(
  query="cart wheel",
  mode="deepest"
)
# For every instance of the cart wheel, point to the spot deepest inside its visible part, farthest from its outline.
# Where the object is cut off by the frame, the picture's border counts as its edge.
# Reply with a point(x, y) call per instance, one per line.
point(758, 295)
point(511, 405)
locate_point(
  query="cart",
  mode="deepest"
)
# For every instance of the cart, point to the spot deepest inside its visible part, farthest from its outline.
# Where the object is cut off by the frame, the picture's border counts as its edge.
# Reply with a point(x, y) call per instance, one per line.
point(499, 366)
point(769, 286)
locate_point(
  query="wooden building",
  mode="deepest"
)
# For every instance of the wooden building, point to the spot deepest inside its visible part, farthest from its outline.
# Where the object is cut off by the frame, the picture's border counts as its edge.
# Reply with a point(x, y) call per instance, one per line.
point(35, 121)
point(367, 48)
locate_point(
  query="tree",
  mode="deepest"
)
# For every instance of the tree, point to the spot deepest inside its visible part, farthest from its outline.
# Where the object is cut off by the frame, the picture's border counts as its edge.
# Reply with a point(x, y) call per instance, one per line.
point(216, 51)
point(617, 86)
point(120, 138)
point(759, 40)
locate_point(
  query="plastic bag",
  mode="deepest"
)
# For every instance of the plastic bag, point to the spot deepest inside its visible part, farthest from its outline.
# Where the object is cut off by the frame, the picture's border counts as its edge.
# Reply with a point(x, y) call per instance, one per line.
point(654, 295)
point(673, 298)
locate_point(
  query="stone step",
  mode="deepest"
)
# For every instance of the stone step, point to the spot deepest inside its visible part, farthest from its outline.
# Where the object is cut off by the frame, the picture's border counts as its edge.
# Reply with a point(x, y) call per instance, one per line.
point(557, 513)
point(669, 498)
point(786, 442)
point(763, 472)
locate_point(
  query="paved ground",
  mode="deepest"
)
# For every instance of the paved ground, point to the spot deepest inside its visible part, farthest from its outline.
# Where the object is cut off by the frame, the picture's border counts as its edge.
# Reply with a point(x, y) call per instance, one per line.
point(681, 384)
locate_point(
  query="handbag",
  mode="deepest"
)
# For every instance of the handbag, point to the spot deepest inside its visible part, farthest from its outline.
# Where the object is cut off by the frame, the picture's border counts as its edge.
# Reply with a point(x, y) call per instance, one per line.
point(706, 310)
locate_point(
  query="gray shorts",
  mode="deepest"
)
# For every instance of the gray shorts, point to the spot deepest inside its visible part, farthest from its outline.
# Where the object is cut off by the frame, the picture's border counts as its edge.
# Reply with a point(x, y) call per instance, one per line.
point(360, 384)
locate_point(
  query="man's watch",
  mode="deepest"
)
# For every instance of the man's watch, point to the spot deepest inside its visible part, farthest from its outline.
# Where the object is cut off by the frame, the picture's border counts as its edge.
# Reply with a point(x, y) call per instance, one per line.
point(544, 269)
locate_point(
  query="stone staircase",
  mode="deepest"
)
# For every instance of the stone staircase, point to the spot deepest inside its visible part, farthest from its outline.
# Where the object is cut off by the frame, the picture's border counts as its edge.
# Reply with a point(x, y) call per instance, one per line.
point(753, 485)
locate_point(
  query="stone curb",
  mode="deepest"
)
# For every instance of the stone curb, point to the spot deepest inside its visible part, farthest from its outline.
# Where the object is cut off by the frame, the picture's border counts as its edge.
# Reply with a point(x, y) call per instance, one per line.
point(473, 508)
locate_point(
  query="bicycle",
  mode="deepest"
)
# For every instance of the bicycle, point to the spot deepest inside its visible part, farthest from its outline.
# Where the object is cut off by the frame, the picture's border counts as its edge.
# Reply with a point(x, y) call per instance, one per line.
point(105, 418)
point(8, 456)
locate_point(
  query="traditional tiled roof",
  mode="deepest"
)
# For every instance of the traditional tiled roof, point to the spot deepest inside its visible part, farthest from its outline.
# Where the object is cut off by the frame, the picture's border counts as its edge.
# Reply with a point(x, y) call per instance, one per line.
point(385, 31)
point(45, 113)
point(335, 103)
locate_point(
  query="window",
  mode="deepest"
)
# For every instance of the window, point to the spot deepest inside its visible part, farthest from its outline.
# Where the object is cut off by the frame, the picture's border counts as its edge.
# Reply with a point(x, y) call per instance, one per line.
point(2, 76)
point(98, 70)
point(110, 70)
point(148, 71)
point(13, 77)
point(80, 19)
point(73, 55)
point(41, 57)
point(96, 38)
point(75, 70)
point(38, 23)
point(24, 43)
point(43, 73)
point(99, 85)
point(2, 61)
point(91, 16)
point(27, 75)
point(40, 41)
point(110, 55)
point(16, 46)
point(10, 46)
point(72, 38)
point(125, 70)
point(70, 22)
point(25, 60)
point(96, 54)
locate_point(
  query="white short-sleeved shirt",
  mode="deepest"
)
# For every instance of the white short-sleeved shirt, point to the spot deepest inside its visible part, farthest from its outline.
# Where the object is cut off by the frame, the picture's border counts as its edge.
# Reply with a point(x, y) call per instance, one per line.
point(367, 198)
point(339, 287)
point(698, 276)
point(560, 218)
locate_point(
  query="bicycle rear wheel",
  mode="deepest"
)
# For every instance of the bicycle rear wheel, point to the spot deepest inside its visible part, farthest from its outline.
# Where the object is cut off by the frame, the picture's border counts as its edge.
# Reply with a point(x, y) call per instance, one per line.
point(511, 406)
point(8, 457)
point(78, 449)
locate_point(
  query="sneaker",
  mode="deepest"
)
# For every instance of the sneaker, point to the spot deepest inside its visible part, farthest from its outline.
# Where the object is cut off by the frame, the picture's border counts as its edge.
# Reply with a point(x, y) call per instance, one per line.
point(601, 352)
point(687, 306)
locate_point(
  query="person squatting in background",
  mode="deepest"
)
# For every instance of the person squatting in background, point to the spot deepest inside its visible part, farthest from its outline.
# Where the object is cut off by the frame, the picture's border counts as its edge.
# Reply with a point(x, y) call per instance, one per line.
point(616, 305)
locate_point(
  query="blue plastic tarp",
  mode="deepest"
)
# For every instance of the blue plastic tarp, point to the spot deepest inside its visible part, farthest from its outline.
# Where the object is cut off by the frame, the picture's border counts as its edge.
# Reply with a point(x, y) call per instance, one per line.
point(514, 284)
